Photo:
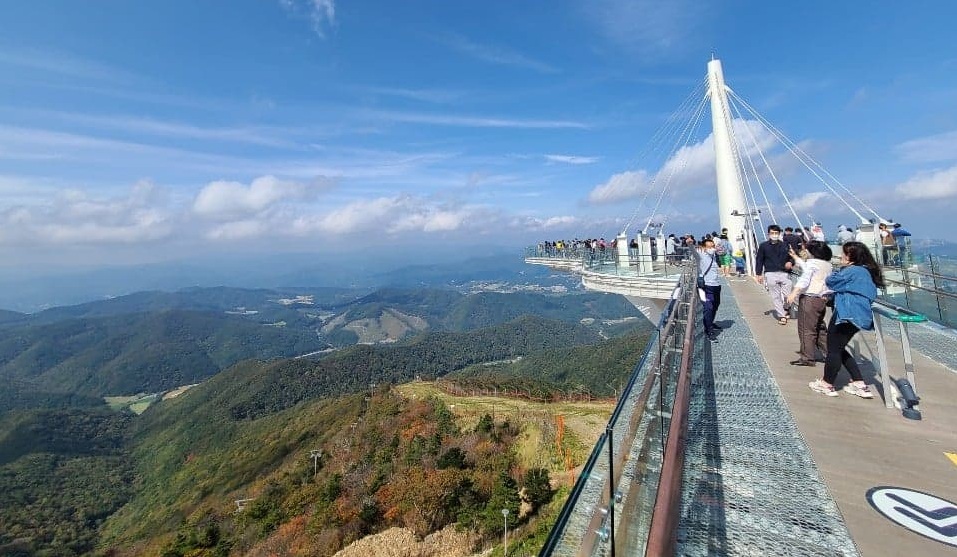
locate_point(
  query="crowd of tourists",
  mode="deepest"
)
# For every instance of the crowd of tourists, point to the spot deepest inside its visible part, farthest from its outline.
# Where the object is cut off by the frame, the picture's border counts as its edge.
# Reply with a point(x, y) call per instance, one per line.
point(848, 291)
point(575, 248)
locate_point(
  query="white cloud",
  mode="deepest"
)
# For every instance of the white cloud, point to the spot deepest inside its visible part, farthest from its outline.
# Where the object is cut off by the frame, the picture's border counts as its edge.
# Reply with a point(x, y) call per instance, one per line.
point(939, 184)
point(473, 121)
point(933, 148)
point(692, 166)
point(807, 201)
point(76, 217)
point(496, 54)
point(625, 185)
point(651, 29)
point(571, 159)
point(321, 14)
point(560, 222)
point(230, 200)
point(238, 230)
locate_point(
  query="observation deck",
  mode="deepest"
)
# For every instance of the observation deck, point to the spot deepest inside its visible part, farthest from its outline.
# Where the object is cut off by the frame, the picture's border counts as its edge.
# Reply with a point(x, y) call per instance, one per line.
point(722, 449)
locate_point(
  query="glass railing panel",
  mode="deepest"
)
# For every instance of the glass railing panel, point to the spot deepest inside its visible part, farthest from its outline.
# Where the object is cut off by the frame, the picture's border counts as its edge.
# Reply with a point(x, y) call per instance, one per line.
point(927, 285)
point(614, 496)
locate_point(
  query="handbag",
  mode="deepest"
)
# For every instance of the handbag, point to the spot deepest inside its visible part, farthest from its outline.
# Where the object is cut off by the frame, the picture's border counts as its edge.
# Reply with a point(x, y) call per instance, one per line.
point(701, 284)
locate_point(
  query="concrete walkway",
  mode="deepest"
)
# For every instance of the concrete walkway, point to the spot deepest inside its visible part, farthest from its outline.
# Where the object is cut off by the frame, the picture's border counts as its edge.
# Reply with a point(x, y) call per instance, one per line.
point(858, 444)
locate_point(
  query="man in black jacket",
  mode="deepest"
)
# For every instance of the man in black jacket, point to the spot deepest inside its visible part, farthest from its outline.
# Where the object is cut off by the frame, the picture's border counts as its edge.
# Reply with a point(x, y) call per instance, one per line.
point(771, 266)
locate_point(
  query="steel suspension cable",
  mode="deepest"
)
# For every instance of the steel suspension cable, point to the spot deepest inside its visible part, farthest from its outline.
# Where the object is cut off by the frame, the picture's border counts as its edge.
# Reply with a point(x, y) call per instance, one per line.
point(749, 199)
point(797, 151)
point(736, 147)
point(774, 177)
point(680, 163)
point(757, 176)
point(666, 131)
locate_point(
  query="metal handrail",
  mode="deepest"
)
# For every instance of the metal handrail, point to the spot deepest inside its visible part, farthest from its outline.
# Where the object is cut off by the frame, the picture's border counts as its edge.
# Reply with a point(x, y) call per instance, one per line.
point(661, 536)
point(925, 289)
point(897, 313)
point(597, 509)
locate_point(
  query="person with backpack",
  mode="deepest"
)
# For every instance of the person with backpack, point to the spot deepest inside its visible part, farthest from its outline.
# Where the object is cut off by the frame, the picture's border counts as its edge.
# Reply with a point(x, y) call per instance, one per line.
point(855, 288)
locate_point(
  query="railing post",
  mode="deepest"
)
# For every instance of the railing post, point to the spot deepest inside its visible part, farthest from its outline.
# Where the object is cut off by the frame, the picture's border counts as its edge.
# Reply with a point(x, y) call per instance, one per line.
point(882, 359)
point(908, 359)
point(611, 486)
point(933, 274)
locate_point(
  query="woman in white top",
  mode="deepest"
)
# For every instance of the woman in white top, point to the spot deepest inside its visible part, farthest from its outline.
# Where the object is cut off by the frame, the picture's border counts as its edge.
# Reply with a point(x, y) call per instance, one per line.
point(811, 293)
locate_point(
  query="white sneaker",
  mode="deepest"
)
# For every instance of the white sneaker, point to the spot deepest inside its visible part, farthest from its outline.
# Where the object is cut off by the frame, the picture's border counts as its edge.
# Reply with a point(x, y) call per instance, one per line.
point(862, 390)
point(819, 386)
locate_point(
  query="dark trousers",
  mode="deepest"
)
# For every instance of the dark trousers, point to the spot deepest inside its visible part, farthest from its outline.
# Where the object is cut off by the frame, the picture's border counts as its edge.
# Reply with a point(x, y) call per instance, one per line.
point(838, 336)
point(712, 299)
point(811, 329)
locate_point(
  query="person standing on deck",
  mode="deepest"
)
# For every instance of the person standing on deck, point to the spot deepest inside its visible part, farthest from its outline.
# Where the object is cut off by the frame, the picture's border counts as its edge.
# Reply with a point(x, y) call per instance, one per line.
point(844, 235)
point(855, 288)
point(771, 266)
point(810, 292)
point(707, 261)
point(900, 234)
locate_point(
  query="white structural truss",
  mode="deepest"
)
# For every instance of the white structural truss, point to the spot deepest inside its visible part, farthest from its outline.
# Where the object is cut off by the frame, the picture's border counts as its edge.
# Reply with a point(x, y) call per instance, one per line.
point(730, 192)
point(632, 270)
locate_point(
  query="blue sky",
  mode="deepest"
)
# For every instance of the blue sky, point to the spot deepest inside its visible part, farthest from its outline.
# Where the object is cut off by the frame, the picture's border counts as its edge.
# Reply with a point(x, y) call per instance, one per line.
point(133, 132)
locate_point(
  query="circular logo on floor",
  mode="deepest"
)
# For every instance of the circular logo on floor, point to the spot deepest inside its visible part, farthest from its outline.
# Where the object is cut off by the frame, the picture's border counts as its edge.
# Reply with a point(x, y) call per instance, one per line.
point(929, 516)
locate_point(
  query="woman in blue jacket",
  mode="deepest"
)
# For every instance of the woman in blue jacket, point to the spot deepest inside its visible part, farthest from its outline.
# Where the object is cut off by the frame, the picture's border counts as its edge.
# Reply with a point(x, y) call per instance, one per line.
point(855, 287)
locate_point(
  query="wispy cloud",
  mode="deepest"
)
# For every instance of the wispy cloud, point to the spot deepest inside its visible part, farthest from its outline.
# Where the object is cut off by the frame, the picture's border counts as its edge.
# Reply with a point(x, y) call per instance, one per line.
point(266, 136)
point(934, 185)
point(651, 29)
point(933, 148)
point(436, 96)
point(692, 166)
point(473, 121)
point(809, 200)
point(571, 159)
point(321, 14)
point(625, 185)
point(63, 65)
point(494, 54)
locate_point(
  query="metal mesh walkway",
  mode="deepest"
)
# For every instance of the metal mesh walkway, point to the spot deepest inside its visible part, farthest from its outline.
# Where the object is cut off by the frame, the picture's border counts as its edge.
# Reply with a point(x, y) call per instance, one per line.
point(750, 486)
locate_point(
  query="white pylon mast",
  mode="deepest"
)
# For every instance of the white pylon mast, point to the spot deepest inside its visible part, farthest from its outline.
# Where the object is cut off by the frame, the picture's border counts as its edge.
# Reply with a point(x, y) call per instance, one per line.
point(730, 192)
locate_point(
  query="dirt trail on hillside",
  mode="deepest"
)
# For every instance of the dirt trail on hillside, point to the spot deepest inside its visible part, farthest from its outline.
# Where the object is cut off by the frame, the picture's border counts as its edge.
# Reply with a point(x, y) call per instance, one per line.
point(401, 542)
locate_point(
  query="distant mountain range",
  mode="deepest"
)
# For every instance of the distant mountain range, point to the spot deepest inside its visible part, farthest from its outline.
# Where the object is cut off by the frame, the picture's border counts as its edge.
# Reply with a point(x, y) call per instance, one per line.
point(156, 341)
point(31, 291)
point(279, 374)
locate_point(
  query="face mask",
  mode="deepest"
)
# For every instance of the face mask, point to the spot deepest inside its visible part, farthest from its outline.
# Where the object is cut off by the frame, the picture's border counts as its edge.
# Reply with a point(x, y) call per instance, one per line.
point(709, 251)
point(775, 237)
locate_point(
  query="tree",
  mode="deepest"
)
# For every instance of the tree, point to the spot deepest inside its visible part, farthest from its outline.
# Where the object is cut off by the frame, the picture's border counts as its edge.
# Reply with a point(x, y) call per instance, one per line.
point(452, 458)
point(504, 496)
point(485, 424)
point(538, 488)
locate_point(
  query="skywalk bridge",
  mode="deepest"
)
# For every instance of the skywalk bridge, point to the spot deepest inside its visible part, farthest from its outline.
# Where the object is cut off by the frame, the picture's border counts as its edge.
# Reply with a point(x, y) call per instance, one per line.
point(721, 448)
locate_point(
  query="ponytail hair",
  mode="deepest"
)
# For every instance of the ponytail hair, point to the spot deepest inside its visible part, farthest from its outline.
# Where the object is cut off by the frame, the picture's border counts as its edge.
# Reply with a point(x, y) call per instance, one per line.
point(858, 254)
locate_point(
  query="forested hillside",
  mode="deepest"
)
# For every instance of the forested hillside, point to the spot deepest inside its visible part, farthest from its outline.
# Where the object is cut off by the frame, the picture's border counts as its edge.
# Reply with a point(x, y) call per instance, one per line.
point(256, 389)
point(214, 299)
point(598, 370)
point(62, 473)
point(133, 353)
point(171, 476)
point(385, 461)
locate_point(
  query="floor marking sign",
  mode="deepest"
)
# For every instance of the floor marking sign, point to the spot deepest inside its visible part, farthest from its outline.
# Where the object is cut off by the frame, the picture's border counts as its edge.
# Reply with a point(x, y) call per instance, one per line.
point(952, 457)
point(923, 513)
